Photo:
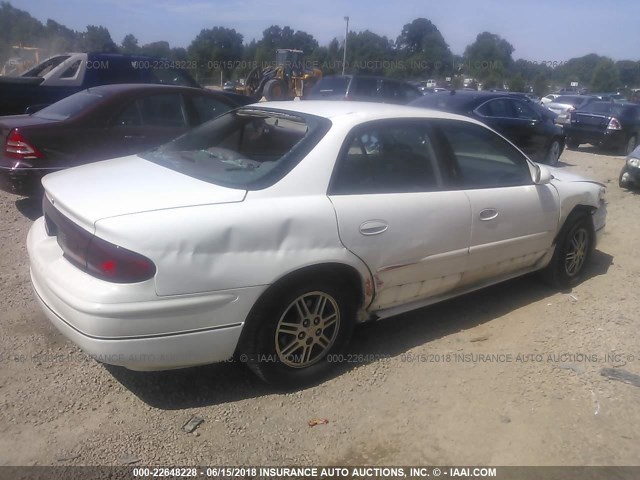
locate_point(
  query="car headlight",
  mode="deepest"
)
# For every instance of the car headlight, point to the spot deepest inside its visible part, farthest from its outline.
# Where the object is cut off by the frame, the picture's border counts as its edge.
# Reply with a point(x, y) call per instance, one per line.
point(634, 162)
point(602, 196)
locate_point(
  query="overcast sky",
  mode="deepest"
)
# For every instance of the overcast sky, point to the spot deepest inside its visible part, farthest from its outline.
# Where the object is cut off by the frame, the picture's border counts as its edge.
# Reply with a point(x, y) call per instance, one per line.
point(539, 30)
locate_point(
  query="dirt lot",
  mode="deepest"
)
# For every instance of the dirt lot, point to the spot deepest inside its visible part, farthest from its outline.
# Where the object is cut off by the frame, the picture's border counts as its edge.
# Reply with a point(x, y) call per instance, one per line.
point(413, 393)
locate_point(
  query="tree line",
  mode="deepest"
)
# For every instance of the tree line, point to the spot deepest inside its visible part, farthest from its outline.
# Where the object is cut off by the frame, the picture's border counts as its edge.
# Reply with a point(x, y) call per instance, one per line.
point(419, 52)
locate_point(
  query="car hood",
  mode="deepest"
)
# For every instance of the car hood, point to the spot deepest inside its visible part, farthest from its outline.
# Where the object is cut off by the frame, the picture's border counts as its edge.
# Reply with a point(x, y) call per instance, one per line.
point(564, 176)
point(128, 185)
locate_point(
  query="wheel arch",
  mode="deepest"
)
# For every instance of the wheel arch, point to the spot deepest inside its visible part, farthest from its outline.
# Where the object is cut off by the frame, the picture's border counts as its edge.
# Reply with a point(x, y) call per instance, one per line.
point(359, 284)
point(579, 209)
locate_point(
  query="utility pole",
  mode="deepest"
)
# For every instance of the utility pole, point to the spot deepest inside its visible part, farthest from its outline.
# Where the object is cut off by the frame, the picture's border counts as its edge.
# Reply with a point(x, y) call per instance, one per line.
point(346, 34)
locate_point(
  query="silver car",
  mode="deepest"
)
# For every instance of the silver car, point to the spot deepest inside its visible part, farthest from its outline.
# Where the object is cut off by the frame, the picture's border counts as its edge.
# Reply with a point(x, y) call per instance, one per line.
point(565, 104)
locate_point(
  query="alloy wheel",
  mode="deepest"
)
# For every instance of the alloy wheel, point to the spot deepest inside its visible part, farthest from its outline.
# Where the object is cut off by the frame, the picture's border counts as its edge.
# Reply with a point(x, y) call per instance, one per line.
point(307, 329)
point(577, 252)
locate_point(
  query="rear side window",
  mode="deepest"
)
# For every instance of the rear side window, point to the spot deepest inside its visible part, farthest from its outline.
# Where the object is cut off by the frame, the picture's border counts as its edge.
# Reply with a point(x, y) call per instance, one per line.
point(386, 158)
point(366, 87)
point(163, 110)
point(500, 108)
point(478, 158)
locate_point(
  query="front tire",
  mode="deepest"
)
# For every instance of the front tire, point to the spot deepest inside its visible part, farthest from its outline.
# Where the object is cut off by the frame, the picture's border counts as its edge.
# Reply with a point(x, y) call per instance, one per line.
point(623, 180)
point(553, 154)
point(573, 251)
point(275, 89)
point(294, 330)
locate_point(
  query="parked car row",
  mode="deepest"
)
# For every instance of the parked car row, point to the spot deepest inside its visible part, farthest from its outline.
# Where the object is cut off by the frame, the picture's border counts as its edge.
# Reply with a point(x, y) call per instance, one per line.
point(99, 123)
point(528, 125)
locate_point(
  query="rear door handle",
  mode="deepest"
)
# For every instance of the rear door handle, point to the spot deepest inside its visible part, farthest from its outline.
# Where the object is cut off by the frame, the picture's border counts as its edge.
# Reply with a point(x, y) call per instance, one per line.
point(373, 227)
point(488, 214)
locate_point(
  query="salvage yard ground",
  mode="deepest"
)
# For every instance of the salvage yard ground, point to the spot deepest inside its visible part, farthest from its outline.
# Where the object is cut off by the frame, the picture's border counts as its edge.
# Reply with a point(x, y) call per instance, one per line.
point(511, 375)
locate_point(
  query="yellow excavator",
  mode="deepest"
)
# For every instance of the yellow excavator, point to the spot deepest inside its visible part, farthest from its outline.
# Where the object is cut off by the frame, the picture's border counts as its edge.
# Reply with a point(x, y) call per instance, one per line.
point(22, 60)
point(289, 78)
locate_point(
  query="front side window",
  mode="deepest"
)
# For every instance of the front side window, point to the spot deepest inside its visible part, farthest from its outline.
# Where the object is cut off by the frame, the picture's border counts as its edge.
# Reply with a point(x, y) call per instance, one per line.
point(250, 148)
point(386, 158)
point(479, 158)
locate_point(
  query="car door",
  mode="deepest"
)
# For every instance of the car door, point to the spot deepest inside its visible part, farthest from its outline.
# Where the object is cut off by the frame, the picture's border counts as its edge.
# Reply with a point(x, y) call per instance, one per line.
point(149, 121)
point(393, 213)
point(516, 121)
point(514, 220)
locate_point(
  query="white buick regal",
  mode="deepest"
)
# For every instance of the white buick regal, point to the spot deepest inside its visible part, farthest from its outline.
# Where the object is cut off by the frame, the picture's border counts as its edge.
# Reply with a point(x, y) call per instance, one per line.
point(269, 232)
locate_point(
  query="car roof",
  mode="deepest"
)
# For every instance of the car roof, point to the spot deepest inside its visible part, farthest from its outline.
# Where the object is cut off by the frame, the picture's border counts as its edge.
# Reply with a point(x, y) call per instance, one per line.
point(130, 87)
point(358, 112)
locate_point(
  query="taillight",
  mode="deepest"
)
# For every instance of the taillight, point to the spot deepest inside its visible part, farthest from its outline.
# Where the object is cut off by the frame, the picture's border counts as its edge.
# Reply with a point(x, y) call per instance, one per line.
point(93, 255)
point(17, 147)
point(116, 264)
point(614, 124)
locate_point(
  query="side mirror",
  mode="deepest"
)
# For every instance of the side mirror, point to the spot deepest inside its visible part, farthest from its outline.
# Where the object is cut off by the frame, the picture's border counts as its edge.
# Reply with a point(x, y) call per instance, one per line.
point(543, 175)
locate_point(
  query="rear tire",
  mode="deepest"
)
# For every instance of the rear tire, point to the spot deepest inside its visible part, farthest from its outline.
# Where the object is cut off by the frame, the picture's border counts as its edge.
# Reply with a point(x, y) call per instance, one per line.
point(292, 332)
point(573, 252)
point(630, 146)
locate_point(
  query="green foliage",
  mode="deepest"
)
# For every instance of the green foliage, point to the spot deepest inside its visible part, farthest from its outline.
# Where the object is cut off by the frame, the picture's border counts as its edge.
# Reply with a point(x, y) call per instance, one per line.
point(419, 52)
point(488, 58)
point(540, 85)
point(156, 49)
point(605, 77)
point(97, 39)
point(517, 84)
point(423, 50)
point(130, 45)
point(216, 49)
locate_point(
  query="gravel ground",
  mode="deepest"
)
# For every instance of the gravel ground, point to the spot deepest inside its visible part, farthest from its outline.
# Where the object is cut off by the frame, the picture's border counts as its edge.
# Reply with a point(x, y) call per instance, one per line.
point(419, 388)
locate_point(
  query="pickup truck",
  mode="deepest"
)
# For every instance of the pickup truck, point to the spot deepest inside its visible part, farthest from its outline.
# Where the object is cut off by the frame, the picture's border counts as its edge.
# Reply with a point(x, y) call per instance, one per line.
point(62, 75)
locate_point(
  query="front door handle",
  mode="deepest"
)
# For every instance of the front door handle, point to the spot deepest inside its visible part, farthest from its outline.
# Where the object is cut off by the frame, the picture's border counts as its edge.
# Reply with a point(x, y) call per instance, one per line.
point(488, 214)
point(373, 227)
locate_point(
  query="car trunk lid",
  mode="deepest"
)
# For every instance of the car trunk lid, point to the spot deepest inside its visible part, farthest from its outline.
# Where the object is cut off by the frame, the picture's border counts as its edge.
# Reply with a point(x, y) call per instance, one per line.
point(128, 185)
point(589, 121)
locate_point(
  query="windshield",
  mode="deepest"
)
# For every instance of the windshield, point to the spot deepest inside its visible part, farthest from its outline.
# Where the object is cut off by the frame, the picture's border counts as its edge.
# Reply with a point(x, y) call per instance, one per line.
point(70, 106)
point(249, 148)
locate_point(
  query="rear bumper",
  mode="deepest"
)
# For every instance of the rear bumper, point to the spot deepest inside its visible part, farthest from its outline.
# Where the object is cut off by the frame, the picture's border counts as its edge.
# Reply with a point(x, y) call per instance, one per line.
point(23, 181)
point(129, 324)
point(607, 139)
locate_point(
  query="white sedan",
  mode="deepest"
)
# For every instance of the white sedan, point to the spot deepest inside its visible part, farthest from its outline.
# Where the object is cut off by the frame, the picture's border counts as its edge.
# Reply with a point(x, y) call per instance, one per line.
point(269, 232)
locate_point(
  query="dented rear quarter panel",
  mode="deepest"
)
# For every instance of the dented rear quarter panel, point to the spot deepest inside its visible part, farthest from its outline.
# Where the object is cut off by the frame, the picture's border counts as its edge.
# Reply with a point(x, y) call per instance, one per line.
point(219, 247)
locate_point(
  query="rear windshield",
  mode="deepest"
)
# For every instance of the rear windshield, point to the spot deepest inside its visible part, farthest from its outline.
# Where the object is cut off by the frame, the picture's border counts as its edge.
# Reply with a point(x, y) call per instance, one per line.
point(444, 101)
point(43, 68)
point(70, 106)
point(331, 86)
point(574, 100)
point(606, 108)
point(249, 148)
